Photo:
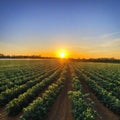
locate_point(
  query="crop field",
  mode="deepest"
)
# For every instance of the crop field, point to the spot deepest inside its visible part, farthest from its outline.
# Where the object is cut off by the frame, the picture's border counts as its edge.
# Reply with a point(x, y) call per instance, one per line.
point(59, 90)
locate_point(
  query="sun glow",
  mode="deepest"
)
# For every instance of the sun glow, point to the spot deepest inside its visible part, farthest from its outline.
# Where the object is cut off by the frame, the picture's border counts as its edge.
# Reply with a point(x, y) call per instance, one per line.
point(62, 54)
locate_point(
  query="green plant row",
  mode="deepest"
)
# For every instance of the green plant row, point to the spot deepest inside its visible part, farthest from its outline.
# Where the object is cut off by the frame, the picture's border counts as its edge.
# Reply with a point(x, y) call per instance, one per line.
point(97, 73)
point(108, 85)
point(81, 109)
point(39, 108)
point(103, 95)
point(23, 80)
point(108, 75)
point(14, 92)
point(12, 74)
point(17, 104)
point(18, 74)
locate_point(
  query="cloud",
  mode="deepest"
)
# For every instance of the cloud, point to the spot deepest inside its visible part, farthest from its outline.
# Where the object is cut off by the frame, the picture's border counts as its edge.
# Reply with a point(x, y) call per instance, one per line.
point(114, 43)
point(110, 35)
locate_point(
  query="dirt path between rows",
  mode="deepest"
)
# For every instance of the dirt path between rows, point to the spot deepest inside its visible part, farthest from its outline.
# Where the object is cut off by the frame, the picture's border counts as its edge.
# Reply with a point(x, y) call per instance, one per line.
point(103, 111)
point(61, 109)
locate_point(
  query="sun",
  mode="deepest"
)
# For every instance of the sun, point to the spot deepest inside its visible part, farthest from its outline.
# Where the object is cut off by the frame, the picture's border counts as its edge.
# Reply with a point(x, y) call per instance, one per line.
point(62, 55)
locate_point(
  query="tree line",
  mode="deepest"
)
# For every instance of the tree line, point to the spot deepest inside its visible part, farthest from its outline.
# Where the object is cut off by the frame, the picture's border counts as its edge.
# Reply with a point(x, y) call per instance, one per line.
point(105, 60)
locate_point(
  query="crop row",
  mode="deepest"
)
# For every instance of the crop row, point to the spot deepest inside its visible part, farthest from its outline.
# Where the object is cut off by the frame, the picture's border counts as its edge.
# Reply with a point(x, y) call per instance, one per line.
point(9, 94)
point(116, 81)
point(12, 74)
point(103, 95)
point(81, 109)
point(110, 87)
point(18, 74)
point(108, 72)
point(38, 109)
point(23, 80)
point(17, 104)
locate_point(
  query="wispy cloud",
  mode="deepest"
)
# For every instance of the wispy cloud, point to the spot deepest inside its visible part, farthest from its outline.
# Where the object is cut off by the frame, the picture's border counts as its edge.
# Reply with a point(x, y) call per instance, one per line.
point(114, 43)
point(110, 35)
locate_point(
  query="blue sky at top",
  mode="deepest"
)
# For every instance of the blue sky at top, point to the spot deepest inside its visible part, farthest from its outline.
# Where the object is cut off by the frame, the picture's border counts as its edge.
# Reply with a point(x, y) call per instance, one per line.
point(80, 23)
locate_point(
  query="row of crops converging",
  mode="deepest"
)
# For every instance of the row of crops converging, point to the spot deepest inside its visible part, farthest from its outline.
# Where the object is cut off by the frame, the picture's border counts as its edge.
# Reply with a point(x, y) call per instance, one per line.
point(32, 87)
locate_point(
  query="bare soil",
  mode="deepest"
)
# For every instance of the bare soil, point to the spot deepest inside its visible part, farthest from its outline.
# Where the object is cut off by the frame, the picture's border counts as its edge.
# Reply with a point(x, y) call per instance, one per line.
point(61, 109)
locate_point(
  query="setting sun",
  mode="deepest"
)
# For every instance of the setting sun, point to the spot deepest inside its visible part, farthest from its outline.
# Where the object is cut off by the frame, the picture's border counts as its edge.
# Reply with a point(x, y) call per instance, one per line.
point(62, 55)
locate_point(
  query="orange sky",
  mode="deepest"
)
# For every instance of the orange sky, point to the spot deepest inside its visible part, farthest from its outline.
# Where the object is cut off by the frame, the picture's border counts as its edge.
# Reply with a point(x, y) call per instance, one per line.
point(85, 48)
point(55, 52)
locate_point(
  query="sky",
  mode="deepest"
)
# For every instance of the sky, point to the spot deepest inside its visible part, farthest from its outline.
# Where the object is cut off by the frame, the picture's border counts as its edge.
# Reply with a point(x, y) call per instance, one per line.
point(83, 28)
